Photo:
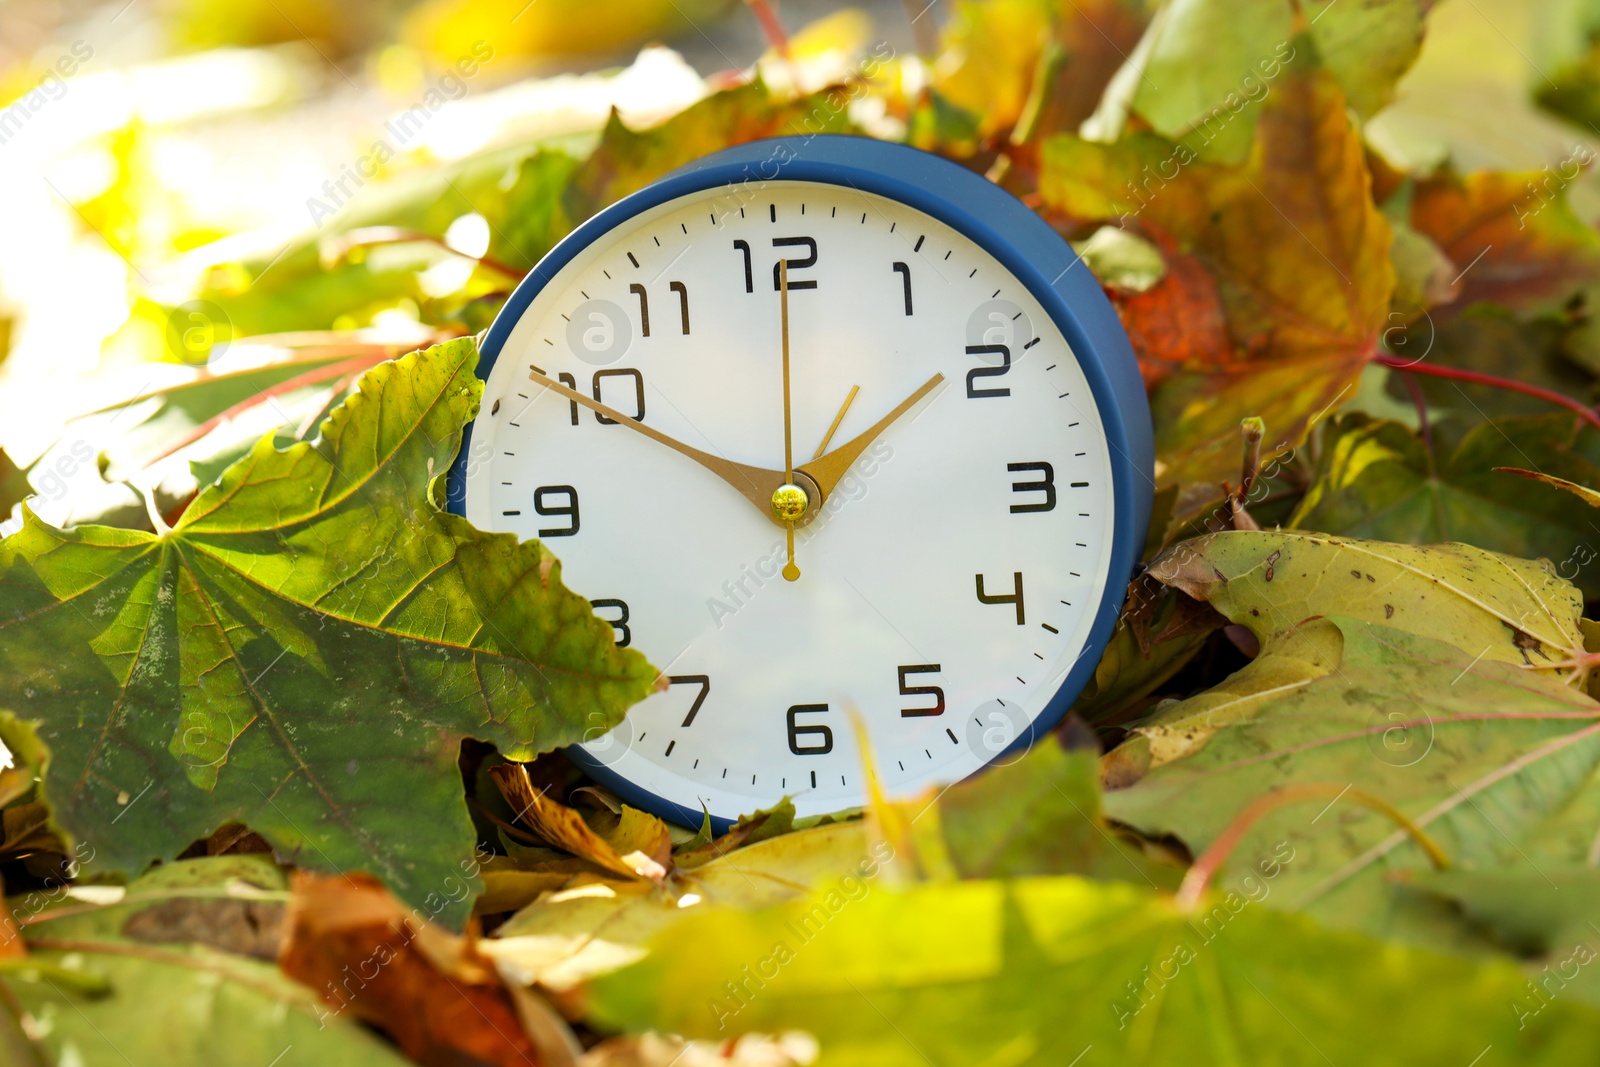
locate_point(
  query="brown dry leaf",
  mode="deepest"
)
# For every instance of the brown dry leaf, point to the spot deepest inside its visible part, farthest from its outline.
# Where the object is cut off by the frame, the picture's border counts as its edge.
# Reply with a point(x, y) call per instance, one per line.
point(356, 945)
point(1513, 237)
point(1300, 257)
point(241, 926)
point(637, 844)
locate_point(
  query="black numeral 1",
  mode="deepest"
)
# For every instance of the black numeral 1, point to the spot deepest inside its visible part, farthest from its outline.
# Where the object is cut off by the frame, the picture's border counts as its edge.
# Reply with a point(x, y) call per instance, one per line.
point(619, 624)
point(797, 731)
point(1014, 598)
point(749, 278)
point(921, 690)
point(683, 301)
point(644, 308)
point(1047, 485)
point(905, 273)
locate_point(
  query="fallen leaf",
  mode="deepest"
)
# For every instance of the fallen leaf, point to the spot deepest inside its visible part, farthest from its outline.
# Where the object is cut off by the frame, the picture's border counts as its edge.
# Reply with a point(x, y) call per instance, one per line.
point(1039, 815)
point(568, 937)
point(1039, 970)
point(1301, 269)
point(638, 844)
point(1203, 67)
point(364, 953)
point(627, 160)
point(1516, 611)
point(1494, 762)
point(320, 570)
point(178, 1003)
point(1513, 236)
point(1376, 479)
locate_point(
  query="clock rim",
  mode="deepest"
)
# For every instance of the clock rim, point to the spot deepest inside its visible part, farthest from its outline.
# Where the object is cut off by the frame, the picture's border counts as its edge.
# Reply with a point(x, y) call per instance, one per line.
point(989, 216)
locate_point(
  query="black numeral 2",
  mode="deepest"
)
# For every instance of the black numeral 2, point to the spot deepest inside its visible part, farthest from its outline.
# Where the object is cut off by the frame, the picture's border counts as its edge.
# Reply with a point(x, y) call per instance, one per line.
point(973, 392)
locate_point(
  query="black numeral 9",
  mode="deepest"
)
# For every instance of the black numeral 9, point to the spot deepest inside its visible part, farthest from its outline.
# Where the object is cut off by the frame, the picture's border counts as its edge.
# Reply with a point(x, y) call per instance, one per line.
point(569, 510)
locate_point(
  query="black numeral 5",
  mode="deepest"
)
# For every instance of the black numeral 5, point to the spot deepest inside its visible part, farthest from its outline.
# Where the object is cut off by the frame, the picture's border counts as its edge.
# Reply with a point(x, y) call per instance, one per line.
point(921, 690)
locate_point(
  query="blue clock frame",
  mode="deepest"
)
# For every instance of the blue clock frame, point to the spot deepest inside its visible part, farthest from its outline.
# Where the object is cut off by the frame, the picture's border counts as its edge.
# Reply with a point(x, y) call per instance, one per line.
point(1000, 224)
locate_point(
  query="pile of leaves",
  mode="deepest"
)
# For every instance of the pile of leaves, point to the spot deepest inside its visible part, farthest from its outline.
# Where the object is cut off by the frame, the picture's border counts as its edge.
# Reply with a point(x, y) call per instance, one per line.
point(287, 782)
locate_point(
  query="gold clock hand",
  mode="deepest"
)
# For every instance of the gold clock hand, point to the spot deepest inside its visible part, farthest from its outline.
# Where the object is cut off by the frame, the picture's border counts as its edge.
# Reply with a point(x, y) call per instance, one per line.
point(755, 484)
point(789, 502)
point(829, 469)
point(837, 419)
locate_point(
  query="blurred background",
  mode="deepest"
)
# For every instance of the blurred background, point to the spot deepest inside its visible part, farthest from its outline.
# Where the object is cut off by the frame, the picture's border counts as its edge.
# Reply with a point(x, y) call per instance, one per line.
point(214, 214)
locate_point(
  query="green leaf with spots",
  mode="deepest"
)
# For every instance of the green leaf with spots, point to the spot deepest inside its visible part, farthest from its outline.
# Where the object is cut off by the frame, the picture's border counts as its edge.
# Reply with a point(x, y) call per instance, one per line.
point(1053, 970)
point(184, 975)
point(1507, 610)
point(304, 652)
point(1495, 762)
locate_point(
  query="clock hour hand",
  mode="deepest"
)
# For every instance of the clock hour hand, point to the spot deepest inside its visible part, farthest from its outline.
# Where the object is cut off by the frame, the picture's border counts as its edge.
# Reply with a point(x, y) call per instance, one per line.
point(828, 470)
point(755, 484)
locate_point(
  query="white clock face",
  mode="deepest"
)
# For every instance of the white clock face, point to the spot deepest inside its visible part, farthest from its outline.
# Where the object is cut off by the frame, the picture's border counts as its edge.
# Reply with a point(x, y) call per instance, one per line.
point(949, 579)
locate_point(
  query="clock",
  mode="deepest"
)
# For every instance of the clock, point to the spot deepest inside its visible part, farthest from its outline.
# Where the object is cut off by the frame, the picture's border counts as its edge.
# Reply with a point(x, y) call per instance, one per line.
point(838, 434)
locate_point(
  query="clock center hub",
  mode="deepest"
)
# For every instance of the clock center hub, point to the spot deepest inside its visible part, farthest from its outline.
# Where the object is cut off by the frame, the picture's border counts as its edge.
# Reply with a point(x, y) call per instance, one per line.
point(789, 502)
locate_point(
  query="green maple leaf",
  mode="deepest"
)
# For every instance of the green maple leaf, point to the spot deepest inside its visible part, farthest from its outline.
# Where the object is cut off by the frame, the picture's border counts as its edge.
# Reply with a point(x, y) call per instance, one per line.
point(305, 652)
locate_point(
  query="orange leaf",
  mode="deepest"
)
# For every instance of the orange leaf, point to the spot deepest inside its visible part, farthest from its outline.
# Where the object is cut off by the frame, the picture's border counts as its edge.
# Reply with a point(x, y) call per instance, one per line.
point(1178, 322)
point(354, 944)
point(1513, 236)
point(1300, 259)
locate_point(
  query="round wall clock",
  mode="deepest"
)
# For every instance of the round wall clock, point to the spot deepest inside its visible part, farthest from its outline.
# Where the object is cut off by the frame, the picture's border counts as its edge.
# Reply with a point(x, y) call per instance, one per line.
point(826, 427)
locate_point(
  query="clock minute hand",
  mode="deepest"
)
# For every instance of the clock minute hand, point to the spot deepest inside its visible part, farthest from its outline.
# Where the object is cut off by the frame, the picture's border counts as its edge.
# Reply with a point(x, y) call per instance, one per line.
point(755, 484)
point(828, 470)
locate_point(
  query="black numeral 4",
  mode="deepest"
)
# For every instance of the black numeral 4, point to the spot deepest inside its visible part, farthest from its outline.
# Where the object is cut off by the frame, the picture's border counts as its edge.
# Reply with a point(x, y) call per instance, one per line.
point(1003, 598)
